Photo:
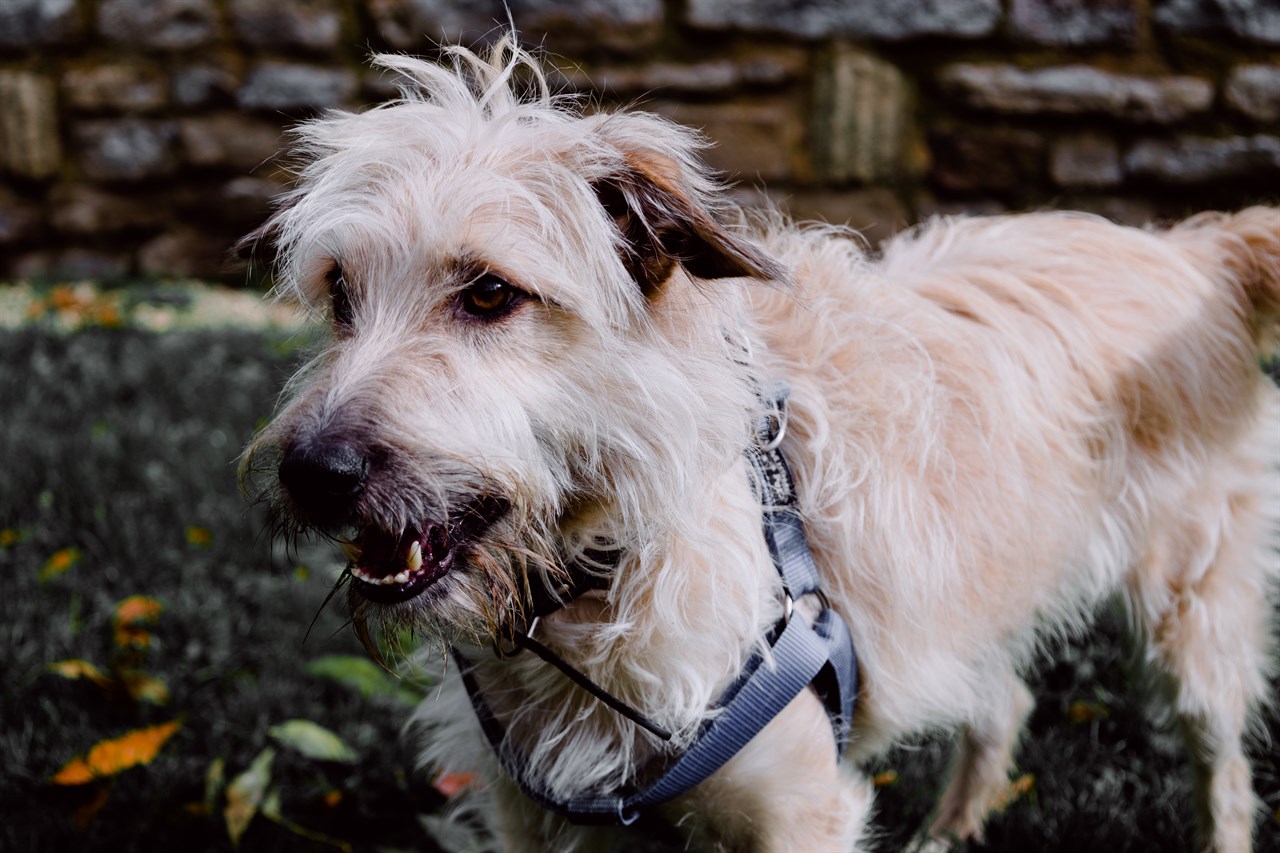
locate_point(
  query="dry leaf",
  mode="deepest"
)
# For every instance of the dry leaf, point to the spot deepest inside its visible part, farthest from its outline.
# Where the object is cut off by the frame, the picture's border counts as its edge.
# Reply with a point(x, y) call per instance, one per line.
point(130, 614)
point(453, 784)
point(245, 794)
point(109, 757)
point(313, 741)
point(76, 668)
point(58, 563)
point(1086, 712)
point(1017, 789)
point(144, 688)
point(883, 780)
point(201, 537)
point(88, 811)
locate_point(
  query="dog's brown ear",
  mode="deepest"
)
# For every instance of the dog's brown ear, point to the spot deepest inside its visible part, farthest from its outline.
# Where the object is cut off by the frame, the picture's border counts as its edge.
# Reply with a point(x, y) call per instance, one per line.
point(663, 224)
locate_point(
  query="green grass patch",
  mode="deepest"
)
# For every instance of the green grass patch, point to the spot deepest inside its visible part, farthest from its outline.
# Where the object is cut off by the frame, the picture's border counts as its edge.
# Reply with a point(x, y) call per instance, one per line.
point(177, 636)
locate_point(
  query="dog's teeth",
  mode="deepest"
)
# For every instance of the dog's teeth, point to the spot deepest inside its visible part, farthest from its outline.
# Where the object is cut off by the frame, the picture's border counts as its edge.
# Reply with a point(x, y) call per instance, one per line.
point(415, 556)
point(351, 549)
point(402, 577)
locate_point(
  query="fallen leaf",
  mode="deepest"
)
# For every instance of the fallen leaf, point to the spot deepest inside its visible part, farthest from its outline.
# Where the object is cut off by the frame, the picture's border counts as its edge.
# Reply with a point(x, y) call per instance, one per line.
point(245, 794)
point(73, 669)
point(1086, 712)
point(131, 614)
point(1016, 790)
point(361, 675)
point(144, 688)
point(10, 537)
point(109, 757)
point(58, 563)
point(453, 784)
point(201, 537)
point(333, 798)
point(888, 777)
point(88, 811)
point(215, 777)
point(138, 608)
point(313, 741)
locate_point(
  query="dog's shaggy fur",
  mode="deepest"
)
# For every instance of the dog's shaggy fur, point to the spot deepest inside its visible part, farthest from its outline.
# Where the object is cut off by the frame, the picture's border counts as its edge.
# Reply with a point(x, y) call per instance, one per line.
point(994, 425)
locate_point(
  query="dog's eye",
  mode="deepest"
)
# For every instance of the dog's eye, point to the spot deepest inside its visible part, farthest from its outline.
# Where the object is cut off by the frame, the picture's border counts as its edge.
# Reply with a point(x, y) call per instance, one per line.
point(340, 296)
point(489, 297)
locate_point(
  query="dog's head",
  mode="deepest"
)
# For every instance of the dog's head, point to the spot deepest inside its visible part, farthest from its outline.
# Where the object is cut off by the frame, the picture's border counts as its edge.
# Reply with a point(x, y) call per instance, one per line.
point(528, 354)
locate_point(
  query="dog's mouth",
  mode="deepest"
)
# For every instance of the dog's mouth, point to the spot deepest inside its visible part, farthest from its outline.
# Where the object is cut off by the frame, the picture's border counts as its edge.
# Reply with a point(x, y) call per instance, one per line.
point(391, 567)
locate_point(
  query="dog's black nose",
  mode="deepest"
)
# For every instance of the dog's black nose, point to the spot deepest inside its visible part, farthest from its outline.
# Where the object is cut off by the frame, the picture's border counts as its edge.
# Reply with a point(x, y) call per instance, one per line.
point(324, 479)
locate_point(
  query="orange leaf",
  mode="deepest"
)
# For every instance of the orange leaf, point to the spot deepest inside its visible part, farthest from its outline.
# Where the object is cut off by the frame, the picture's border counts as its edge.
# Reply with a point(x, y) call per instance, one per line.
point(333, 798)
point(1086, 712)
point(138, 608)
point(9, 536)
point(144, 688)
point(200, 536)
point(1017, 789)
point(58, 563)
point(888, 777)
point(453, 784)
point(110, 757)
point(87, 812)
point(75, 668)
point(129, 613)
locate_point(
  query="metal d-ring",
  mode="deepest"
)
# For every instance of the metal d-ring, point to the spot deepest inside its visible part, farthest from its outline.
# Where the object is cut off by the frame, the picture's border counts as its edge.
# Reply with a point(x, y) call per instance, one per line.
point(779, 417)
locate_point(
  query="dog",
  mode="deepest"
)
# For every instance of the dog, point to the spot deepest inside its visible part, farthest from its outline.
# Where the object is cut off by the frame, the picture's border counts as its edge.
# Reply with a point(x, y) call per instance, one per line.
point(553, 340)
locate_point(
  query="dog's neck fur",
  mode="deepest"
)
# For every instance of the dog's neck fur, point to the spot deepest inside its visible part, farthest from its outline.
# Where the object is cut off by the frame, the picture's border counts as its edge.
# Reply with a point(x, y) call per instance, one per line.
point(688, 602)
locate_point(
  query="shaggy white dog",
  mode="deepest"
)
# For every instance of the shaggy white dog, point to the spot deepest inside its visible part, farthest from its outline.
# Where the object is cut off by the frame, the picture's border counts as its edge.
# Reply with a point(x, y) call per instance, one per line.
point(550, 340)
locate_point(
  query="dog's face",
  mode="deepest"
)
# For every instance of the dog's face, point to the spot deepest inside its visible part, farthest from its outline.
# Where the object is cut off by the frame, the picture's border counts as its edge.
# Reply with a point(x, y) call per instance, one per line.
point(513, 376)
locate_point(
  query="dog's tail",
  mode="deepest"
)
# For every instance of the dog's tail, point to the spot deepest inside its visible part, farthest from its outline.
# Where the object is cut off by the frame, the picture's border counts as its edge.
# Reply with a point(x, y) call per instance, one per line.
point(1249, 247)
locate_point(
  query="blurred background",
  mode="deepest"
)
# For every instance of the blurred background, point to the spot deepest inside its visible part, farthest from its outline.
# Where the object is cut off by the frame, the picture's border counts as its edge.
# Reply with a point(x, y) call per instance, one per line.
point(162, 682)
point(143, 136)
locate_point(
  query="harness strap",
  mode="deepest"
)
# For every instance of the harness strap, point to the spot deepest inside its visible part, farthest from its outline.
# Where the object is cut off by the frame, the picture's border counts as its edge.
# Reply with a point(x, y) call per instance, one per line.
point(800, 654)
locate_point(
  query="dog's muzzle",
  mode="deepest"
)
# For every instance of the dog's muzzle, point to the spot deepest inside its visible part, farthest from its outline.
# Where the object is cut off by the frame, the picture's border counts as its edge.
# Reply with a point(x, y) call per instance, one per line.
point(324, 480)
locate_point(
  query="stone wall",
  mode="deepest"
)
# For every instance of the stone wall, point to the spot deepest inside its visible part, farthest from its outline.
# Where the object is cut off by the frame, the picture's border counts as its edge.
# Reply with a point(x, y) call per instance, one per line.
point(141, 136)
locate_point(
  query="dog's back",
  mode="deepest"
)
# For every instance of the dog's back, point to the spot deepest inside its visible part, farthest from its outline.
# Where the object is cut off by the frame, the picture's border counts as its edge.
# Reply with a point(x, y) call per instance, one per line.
point(1003, 420)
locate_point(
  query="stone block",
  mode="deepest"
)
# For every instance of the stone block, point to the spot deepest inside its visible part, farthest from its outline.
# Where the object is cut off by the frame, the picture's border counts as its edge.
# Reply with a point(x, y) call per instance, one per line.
point(862, 119)
point(246, 201)
point(987, 159)
point(1074, 23)
point(203, 86)
point(1254, 160)
point(1249, 20)
point(1077, 90)
point(127, 149)
point(756, 141)
point(1255, 91)
point(114, 87)
point(712, 77)
point(1085, 161)
point(290, 86)
point(18, 220)
point(29, 139)
point(163, 24)
point(231, 140)
point(626, 26)
point(308, 24)
point(186, 253)
point(84, 211)
point(74, 264)
point(876, 19)
point(28, 23)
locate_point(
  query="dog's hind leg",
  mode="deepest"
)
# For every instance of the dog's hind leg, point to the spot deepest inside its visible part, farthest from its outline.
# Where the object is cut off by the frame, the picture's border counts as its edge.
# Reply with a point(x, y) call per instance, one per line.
point(980, 772)
point(1201, 602)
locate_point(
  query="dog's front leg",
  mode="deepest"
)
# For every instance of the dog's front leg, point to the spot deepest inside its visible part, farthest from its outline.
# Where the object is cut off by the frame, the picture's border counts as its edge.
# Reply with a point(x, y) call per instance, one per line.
point(785, 791)
point(522, 826)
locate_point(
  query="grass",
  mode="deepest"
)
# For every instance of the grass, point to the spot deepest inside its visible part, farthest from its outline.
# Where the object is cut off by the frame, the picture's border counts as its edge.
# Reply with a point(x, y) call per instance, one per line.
point(119, 448)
